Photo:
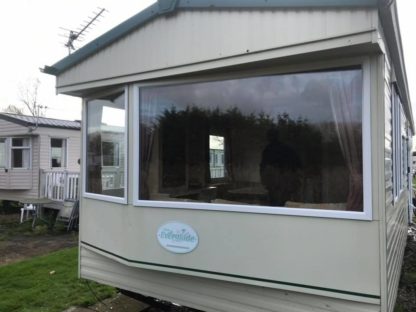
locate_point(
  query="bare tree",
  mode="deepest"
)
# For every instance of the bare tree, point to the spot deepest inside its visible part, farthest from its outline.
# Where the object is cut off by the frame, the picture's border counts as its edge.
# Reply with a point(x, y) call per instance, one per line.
point(28, 94)
point(14, 109)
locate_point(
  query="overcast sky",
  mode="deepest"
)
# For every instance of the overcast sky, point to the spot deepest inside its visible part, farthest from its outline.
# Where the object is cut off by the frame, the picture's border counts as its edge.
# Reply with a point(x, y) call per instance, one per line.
point(30, 33)
point(31, 38)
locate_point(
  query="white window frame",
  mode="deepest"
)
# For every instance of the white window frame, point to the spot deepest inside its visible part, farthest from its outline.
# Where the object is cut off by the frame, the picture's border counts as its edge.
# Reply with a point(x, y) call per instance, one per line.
point(6, 156)
point(397, 143)
point(403, 131)
point(65, 139)
point(27, 147)
point(366, 214)
point(108, 198)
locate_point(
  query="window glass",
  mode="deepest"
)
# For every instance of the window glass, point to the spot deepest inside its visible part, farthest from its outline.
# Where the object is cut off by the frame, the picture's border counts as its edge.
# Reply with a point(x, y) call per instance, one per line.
point(2, 153)
point(399, 145)
point(20, 153)
point(105, 145)
point(17, 142)
point(405, 152)
point(110, 153)
point(216, 152)
point(291, 140)
point(58, 153)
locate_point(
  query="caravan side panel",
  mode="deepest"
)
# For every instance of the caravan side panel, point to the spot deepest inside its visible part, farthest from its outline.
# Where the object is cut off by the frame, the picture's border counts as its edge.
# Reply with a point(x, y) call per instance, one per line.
point(396, 208)
point(195, 36)
point(20, 183)
point(208, 294)
point(73, 140)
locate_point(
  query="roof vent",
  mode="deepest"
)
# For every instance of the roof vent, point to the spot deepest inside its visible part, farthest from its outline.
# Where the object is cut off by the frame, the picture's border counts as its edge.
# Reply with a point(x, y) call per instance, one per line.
point(167, 6)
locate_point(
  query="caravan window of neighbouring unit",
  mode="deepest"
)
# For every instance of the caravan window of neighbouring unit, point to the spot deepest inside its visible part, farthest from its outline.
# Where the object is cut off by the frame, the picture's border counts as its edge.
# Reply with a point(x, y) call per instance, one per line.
point(2, 153)
point(292, 140)
point(58, 153)
point(20, 153)
point(105, 145)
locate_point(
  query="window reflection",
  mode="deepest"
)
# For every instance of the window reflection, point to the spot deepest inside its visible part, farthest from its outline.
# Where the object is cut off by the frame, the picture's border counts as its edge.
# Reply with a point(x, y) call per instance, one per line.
point(216, 157)
point(286, 140)
point(105, 145)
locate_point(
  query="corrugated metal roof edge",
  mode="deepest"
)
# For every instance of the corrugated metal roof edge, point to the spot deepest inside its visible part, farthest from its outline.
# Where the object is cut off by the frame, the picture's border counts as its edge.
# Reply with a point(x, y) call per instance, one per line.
point(27, 123)
point(163, 7)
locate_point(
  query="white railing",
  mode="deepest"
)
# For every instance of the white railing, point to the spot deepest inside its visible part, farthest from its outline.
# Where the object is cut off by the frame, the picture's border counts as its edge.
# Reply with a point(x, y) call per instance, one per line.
point(217, 172)
point(112, 178)
point(60, 185)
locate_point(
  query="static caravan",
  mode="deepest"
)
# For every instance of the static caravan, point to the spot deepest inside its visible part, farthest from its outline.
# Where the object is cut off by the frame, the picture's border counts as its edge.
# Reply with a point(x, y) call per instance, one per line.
point(266, 154)
point(39, 159)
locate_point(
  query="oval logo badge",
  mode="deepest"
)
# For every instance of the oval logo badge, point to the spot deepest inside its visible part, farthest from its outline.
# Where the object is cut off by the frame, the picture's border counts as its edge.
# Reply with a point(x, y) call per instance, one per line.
point(177, 237)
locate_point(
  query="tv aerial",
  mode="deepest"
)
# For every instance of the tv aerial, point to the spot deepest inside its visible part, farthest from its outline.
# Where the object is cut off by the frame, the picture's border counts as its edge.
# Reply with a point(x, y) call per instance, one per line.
point(82, 30)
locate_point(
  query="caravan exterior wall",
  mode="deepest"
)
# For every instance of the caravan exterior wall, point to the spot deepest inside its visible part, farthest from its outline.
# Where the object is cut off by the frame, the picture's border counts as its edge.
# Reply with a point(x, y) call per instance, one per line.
point(397, 183)
point(231, 40)
point(20, 178)
point(335, 253)
point(23, 176)
point(269, 249)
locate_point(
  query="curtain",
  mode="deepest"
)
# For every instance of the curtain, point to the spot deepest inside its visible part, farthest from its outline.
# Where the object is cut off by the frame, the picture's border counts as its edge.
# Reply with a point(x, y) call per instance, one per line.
point(148, 126)
point(346, 105)
point(94, 118)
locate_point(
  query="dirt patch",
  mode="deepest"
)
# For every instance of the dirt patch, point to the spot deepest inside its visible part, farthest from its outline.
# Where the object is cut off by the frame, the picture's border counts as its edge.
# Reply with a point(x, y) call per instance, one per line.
point(119, 303)
point(20, 241)
point(406, 297)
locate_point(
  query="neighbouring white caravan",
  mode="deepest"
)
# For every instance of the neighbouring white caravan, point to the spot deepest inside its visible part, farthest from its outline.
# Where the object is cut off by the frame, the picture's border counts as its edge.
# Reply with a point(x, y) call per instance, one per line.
point(262, 154)
point(39, 159)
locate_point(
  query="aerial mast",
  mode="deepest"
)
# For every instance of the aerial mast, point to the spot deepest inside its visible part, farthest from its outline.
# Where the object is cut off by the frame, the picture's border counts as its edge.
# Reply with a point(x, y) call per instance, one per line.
point(79, 34)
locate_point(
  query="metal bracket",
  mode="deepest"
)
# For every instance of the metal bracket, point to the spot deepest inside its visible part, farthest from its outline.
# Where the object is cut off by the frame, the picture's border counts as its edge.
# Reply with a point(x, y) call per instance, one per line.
point(167, 6)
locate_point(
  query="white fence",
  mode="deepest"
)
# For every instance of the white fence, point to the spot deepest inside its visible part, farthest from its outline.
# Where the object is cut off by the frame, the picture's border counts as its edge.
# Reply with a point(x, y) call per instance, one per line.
point(60, 185)
point(112, 178)
point(217, 172)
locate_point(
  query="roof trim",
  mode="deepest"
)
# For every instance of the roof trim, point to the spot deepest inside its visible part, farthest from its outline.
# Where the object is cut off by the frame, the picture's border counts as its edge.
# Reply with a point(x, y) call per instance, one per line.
point(14, 120)
point(164, 7)
point(389, 20)
point(24, 123)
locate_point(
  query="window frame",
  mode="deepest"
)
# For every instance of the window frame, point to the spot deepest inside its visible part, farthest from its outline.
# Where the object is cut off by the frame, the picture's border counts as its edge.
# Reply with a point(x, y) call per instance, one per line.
point(399, 137)
point(6, 154)
point(65, 139)
point(102, 197)
point(225, 177)
point(366, 214)
point(26, 147)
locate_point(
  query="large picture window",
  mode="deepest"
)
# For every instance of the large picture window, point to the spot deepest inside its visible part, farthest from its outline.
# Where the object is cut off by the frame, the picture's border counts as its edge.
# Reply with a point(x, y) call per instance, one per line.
point(105, 145)
point(291, 140)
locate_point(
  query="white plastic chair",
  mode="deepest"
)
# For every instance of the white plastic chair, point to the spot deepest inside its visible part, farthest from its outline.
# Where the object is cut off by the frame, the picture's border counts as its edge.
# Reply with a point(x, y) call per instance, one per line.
point(25, 210)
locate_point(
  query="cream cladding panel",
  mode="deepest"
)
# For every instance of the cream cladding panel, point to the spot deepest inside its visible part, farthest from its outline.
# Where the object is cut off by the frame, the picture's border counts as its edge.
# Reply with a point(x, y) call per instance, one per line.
point(314, 252)
point(396, 221)
point(190, 37)
point(207, 294)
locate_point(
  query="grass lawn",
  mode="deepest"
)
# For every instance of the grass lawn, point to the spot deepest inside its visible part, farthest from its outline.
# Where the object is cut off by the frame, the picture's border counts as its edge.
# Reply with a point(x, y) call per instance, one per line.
point(47, 283)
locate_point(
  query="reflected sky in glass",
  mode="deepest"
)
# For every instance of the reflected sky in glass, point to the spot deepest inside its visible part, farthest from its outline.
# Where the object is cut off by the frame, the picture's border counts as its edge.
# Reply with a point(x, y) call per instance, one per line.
point(302, 95)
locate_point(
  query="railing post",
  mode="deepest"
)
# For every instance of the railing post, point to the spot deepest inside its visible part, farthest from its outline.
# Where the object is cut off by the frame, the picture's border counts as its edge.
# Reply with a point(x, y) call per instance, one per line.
point(65, 176)
point(60, 185)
